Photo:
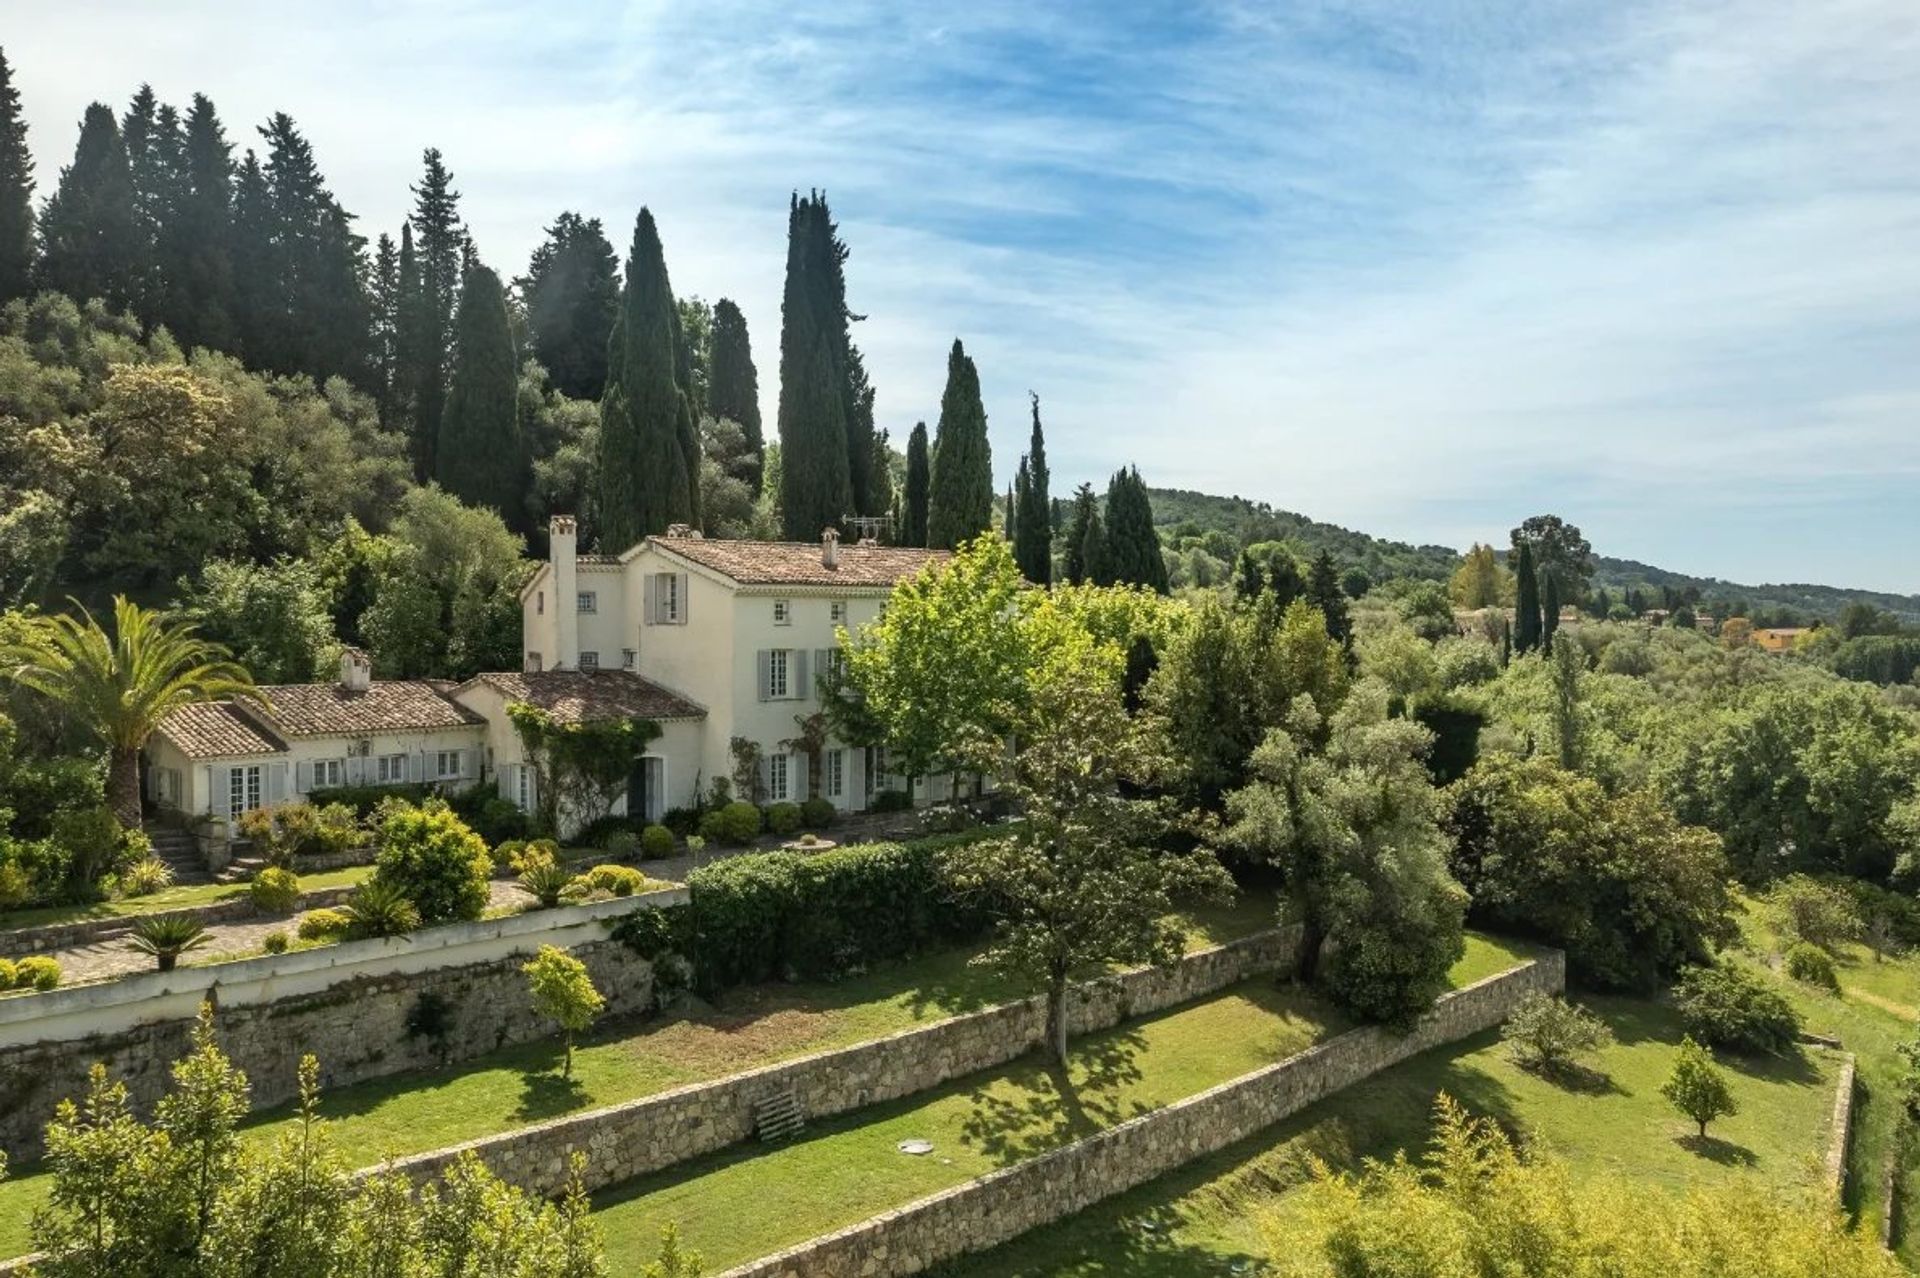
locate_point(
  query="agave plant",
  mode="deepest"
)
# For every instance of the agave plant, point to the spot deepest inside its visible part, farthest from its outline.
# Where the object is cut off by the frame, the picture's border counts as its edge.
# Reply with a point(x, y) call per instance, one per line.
point(548, 882)
point(167, 937)
point(378, 909)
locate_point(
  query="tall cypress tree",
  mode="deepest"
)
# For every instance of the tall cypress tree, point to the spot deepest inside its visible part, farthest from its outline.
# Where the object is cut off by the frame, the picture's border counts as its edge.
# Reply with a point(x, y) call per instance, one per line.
point(89, 231)
point(1086, 561)
point(385, 286)
point(16, 193)
point(816, 480)
point(1526, 621)
point(960, 487)
point(646, 481)
point(480, 455)
point(439, 245)
point(1133, 547)
point(733, 386)
point(196, 237)
point(884, 497)
point(572, 293)
point(1549, 608)
point(1324, 593)
point(913, 528)
point(1033, 523)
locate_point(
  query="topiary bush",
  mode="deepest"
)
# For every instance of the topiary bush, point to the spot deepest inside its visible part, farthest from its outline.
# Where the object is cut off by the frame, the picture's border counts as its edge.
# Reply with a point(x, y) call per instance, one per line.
point(6, 973)
point(1729, 1008)
point(891, 801)
point(656, 842)
point(1811, 964)
point(36, 972)
point(430, 857)
point(738, 824)
point(682, 821)
point(622, 845)
point(275, 942)
point(619, 880)
point(783, 818)
point(274, 890)
point(323, 925)
point(817, 814)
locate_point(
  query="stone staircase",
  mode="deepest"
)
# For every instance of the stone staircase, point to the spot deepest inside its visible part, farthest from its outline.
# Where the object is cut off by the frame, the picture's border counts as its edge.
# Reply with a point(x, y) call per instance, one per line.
point(776, 1116)
point(245, 864)
point(181, 853)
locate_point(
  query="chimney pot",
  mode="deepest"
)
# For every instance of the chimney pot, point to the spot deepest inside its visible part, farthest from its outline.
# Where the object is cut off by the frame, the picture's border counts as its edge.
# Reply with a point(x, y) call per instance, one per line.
point(356, 671)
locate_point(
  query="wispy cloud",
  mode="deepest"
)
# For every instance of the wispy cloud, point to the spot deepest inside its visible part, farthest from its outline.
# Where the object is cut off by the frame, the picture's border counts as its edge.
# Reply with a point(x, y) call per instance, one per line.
point(1418, 268)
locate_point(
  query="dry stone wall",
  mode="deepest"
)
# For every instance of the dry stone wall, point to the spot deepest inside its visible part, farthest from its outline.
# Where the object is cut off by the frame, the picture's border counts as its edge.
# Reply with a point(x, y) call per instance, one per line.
point(61, 936)
point(1002, 1205)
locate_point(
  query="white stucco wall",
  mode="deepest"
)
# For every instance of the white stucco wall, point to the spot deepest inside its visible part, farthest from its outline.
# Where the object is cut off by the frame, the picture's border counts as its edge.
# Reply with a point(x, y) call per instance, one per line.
point(287, 777)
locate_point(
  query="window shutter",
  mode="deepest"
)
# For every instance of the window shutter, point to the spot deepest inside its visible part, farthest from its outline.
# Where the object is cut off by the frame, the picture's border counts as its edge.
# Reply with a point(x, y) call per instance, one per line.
point(797, 776)
point(680, 599)
point(797, 686)
point(766, 776)
point(766, 674)
point(222, 798)
point(469, 764)
point(276, 782)
point(302, 777)
point(820, 663)
point(416, 767)
point(651, 598)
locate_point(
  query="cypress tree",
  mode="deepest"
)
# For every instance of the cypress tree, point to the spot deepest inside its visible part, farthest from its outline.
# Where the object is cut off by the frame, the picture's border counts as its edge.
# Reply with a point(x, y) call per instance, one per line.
point(1324, 593)
point(733, 386)
point(386, 307)
point(152, 166)
point(89, 232)
point(480, 456)
point(860, 479)
point(1033, 544)
point(196, 246)
point(1133, 547)
point(884, 498)
point(1249, 579)
point(250, 241)
point(1086, 549)
point(16, 193)
point(645, 480)
point(572, 292)
point(1549, 608)
point(439, 243)
point(960, 483)
point(913, 529)
point(1526, 624)
point(816, 478)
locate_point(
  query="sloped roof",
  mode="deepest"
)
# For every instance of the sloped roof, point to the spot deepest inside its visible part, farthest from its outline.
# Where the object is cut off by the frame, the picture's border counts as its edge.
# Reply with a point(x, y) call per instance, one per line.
point(591, 696)
point(327, 709)
point(797, 563)
point(218, 730)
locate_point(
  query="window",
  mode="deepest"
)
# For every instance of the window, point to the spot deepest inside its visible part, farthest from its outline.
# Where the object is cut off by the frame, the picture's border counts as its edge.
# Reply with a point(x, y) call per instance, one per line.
point(589, 601)
point(540, 603)
point(834, 764)
point(532, 663)
point(523, 786)
point(833, 664)
point(589, 661)
point(626, 658)
point(777, 778)
point(777, 681)
point(666, 595)
point(446, 765)
point(390, 769)
point(327, 773)
point(837, 612)
point(782, 612)
point(243, 790)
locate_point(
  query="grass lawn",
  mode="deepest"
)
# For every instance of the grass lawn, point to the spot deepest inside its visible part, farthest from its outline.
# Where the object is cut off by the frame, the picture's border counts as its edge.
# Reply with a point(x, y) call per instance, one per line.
point(1202, 1220)
point(748, 1027)
point(737, 1205)
point(178, 898)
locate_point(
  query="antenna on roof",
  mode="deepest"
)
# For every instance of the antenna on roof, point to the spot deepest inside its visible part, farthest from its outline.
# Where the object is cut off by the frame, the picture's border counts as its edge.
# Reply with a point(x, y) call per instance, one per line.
point(866, 529)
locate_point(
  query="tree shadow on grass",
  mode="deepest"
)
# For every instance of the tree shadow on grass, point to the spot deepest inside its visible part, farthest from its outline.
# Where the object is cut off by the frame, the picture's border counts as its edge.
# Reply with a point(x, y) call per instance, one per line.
point(1137, 1243)
point(1714, 1149)
point(545, 1094)
point(1795, 1065)
point(1060, 1105)
point(1571, 1076)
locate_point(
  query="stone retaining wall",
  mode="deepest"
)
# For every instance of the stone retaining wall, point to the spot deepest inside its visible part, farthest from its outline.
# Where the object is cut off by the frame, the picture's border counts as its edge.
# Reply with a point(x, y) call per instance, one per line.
point(1002, 1205)
point(65, 936)
point(1841, 1135)
point(631, 1139)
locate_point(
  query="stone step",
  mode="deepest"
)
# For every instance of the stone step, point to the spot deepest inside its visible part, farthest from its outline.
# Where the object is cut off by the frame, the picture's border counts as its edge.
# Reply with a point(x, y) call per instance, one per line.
point(776, 1116)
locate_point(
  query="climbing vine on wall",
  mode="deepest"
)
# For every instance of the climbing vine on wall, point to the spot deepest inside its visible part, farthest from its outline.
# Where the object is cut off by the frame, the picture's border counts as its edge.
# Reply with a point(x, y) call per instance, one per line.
point(580, 769)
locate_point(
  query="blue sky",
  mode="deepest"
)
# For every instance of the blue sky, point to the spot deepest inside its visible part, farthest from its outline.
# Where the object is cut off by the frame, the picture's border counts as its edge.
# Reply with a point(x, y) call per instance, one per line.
point(1418, 268)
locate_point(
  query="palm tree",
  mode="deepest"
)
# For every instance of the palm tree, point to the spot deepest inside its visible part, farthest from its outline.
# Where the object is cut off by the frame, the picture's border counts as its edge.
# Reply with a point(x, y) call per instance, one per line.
point(167, 936)
point(122, 687)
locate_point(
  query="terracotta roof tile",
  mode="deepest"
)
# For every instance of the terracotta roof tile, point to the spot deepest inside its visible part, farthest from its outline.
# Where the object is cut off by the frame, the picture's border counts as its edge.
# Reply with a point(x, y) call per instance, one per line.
point(580, 696)
point(797, 563)
point(327, 709)
point(217, 730)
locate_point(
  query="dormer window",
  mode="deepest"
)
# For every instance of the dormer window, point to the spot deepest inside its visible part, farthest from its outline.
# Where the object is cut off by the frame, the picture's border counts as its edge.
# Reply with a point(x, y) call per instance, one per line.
point(782, 612)
point(589, 602)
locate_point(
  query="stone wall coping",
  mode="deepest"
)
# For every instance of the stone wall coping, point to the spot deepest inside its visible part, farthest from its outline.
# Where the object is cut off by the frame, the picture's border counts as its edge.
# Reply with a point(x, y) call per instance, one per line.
point(1842, 1129)
point(60, 936)
point(19, 1011)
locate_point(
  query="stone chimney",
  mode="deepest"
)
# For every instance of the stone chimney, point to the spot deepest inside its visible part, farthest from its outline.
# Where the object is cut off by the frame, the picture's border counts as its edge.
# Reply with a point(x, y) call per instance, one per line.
point(830, 548)
point(356, 671)
point(562, 552)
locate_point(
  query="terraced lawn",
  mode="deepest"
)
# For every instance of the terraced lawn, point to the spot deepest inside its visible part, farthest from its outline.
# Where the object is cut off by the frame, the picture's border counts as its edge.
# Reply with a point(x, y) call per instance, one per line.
point(177, 898)
point(745, 1028)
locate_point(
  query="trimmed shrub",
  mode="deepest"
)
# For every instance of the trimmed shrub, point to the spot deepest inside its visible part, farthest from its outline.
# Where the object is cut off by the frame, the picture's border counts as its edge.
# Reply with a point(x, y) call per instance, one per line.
point(275, 890)
point(6, 973)
point(1728, 1008)
point(364, 799)
point(379, 909)
point(275, 942)
point(505, 854)
point(892, 801)
point(817, 814)
point(36, 972)
point(738, 824)
point(783, 818)
point(620, 880)
point(430, 857)
point(622, 845)
point(324, 925)
point(682, 821)
point(1811, 964)
point(656, 842)
point(497, 820)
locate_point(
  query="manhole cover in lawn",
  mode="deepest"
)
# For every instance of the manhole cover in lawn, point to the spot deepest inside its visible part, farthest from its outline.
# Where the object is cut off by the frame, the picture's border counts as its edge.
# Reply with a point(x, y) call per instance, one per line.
point(916, 1146)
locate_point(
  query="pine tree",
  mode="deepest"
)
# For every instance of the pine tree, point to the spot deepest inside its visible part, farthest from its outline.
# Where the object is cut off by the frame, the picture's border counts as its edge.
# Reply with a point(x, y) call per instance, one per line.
point(1249, 578)
point(386, 310)
point(572, 294)
point(646, 479)
point(439, 244)
point(89, 231)
point(250, 237)
point(816, 479)
point(733, 386)
point(1133, 547)
point(1526, 624)
point(960, 482)
point(196, 245)
point(1324, 593)
point(404, 382)
point(480, 455)
point(152, 167)
point(913, 528)
point(16, 193)
point(1033, 545)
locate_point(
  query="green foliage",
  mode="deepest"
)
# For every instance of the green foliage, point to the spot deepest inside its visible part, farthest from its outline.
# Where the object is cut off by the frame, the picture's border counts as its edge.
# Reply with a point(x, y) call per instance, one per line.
point(1032, 516)
point(572, 295)
point(1133, 556)
point(429, 856)
point(1882, 659)
point(546, 880)
point(273, 617)
point(480, 456)
point(1697, 1088)
point(378, 908)
point(619, 880)
point(1809, 912)
point(582, 768)
point(733, 385)
point(1729, 1008)
point(1527, 621)
point(145, 877)
point(817, 813)
point(16, 193)
point(444, 590)
point(167, 936)
point(656, 842)
point(737, 823)
point(960, 477)
point(324, 925)
point(823, 407)
point(892, 801)
point(913, 525)
point(1549, 1034)
point(563, 992)
point(1628, 892)
point(274, 891)
point(783, 818)
point(1811, 964)
point(36, 972)
point(275, 942)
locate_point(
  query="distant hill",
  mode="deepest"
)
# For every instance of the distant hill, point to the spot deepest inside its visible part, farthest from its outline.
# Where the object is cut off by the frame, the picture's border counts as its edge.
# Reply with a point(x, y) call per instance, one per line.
point(1247, 522)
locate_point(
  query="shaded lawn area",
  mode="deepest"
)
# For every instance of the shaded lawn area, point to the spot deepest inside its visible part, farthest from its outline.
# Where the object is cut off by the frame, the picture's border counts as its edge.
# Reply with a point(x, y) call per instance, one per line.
point(175, 898)
point(1202, 1220)
point(748, 1202)
point(743, 1029)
